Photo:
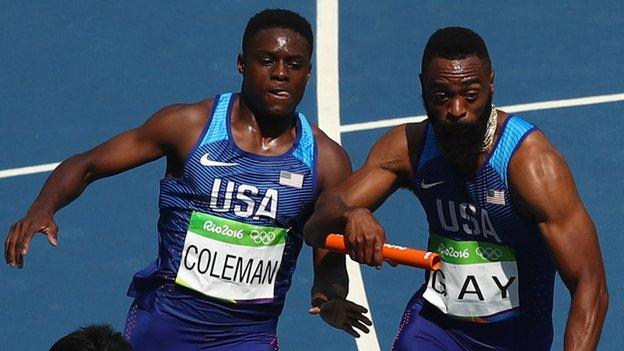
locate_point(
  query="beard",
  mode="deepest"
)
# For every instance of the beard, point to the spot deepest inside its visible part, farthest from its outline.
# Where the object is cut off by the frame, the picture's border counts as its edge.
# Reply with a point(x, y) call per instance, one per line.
point(459, 149)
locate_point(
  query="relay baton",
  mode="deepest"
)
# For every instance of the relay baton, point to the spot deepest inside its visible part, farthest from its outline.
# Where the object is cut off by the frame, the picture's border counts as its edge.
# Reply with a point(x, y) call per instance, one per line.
point(395, 253)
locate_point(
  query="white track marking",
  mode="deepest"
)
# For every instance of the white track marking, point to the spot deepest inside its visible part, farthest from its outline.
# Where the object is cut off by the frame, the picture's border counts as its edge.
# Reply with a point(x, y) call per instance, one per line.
point(535, 106)
point(14, 172)
point(328, 100)
point(329, 120)
point(326, 109)
point(327, 77)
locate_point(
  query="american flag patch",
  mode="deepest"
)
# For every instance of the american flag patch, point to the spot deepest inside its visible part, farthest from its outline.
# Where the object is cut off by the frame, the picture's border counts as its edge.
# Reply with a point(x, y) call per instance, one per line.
point(496, 197)
point(293, 180)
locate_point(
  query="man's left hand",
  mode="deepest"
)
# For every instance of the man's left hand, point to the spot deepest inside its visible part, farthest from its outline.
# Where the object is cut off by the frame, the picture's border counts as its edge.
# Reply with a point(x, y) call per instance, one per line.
point(342, 314)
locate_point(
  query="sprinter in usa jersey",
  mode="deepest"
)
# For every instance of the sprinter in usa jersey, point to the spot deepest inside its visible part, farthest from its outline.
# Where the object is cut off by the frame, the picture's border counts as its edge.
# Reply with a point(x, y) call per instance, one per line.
point(243, 174)
point(502, 209)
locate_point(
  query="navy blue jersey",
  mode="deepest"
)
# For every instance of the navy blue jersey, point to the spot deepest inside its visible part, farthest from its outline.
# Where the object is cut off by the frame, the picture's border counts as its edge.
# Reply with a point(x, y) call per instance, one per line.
point(230, 227)
point(496, 266)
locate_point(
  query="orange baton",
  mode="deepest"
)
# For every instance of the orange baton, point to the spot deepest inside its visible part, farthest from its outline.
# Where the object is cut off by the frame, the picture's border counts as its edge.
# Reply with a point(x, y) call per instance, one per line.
point(395, 253)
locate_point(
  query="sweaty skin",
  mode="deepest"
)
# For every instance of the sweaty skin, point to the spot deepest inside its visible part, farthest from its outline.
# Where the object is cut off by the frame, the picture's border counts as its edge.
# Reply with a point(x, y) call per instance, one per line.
point(455, 93)
point(275, 68)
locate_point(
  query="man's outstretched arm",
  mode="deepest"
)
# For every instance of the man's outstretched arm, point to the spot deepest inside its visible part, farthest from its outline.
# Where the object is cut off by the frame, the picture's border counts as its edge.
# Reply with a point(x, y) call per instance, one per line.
point(125, 151)
point(544, 183)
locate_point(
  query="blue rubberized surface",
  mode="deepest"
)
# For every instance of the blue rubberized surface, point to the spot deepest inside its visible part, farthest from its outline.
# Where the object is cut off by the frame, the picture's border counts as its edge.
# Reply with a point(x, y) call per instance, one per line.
point(76, 73)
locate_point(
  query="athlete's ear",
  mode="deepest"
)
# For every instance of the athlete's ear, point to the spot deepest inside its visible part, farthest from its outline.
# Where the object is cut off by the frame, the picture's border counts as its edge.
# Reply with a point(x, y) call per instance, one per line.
point(240, 63)
point(309, 74)
point(492, 74)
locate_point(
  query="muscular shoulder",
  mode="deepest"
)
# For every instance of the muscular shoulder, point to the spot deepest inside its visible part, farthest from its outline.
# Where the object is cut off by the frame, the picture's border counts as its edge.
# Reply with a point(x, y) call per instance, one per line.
point(396, 150)
point(177, 116)
point(539, 175)
point(328, 149)
point(535, 159)
point(333, 163)
point(177, 122)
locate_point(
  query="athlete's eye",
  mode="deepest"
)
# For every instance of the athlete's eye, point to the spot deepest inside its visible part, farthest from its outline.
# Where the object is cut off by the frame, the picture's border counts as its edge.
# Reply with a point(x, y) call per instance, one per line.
point(471, 96)
point(440, 97)
point(294, 65)
point(266, 61)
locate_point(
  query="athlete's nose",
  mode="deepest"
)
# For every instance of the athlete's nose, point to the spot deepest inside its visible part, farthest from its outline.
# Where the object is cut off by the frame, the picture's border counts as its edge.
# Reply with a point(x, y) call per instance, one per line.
point(280, 71)
point(456, 109)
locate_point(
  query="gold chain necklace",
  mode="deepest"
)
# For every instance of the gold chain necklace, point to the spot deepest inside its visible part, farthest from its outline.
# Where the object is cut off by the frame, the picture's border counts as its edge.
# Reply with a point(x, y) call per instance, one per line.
point(491, 129)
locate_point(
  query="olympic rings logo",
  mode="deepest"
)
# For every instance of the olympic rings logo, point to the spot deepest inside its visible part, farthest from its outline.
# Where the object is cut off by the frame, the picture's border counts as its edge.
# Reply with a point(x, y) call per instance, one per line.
point(488, 253)
point(262, 237)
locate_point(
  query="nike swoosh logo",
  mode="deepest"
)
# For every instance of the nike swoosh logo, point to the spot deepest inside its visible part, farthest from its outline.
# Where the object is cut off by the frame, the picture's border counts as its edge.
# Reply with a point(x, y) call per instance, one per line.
point(430, 185)
point(206, 162)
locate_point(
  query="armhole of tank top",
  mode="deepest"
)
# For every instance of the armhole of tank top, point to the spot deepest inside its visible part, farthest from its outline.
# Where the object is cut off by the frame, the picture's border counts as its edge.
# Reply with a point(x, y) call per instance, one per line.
point(200, 139)
point(500, 159)
point(306, 128)
point(516, 147)
point(419, 153)
point(314, 168)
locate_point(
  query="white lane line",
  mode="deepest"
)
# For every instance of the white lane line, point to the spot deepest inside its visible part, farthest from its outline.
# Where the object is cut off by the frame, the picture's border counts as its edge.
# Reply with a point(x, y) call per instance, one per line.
point(535, 106)
point(14, 172)
point(329, 113)
point(328, 100)
point(327, 77)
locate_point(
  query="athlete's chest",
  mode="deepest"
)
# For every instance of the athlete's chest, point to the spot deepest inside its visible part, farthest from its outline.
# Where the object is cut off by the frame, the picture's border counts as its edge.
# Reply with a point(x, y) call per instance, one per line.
point(477, 208)
point(246, 186)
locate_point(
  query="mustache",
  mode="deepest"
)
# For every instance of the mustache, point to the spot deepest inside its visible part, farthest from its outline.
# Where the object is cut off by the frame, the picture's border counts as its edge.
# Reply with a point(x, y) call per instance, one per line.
point(464, 147)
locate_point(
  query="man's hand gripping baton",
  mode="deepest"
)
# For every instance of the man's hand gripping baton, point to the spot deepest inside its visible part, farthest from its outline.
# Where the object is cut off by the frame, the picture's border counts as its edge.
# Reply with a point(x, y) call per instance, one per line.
point(397, 254)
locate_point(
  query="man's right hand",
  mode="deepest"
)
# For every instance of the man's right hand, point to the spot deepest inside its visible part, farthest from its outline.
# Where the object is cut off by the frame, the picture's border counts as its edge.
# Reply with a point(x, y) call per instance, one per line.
point(19, 238)
point(364, 237)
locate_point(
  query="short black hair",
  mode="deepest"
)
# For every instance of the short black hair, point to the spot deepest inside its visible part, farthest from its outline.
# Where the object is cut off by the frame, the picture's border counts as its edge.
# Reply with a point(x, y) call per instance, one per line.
point(454, 43)
point(100, 337)
point(278, 18)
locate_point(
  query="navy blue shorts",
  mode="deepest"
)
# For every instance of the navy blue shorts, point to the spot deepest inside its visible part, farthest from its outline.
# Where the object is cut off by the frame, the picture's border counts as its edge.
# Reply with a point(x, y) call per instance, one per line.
point(424, 327)
point(417, 332)
point(148, 331)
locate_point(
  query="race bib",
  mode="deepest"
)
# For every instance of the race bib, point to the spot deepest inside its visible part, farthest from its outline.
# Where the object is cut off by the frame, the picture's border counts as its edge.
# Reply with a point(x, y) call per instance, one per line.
point(230, 260)
point(477, 279)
